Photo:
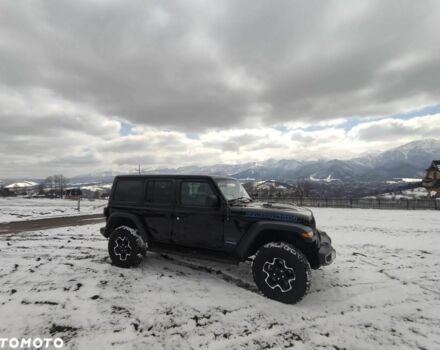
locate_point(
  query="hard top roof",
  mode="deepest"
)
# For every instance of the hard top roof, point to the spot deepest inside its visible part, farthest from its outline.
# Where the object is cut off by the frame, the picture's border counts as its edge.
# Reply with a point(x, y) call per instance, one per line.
point(176, 176)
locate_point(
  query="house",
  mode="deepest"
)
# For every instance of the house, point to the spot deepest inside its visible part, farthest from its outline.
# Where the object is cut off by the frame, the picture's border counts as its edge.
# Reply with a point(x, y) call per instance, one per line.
point(96, 191)
point(73, 193)
point(431, 181)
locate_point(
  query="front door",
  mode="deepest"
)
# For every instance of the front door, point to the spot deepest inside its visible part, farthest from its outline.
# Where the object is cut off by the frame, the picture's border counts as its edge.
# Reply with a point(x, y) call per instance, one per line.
point(198, 219)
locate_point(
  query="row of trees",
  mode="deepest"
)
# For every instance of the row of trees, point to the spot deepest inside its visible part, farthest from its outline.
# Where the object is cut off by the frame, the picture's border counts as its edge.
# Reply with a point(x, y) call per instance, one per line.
point(54, 185)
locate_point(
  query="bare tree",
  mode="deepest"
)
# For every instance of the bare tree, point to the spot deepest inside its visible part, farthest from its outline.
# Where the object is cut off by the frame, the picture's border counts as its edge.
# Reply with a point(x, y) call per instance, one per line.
point(55, 184)
point(60, 184)
point(303, 189)
point(49, 184)
point(41, 188)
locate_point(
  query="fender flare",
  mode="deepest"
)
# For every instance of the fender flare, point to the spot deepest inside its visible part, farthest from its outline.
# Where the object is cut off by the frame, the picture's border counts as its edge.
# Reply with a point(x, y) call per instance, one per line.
point(259, 227)
point(142, 229)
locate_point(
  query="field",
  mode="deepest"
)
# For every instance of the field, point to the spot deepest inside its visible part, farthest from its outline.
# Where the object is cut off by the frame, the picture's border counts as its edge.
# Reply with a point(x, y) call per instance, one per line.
point(19, 209)
point(382, 292)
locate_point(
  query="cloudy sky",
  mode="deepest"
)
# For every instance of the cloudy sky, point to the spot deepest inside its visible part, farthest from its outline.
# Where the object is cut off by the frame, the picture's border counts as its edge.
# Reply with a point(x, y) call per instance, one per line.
point(98, 85)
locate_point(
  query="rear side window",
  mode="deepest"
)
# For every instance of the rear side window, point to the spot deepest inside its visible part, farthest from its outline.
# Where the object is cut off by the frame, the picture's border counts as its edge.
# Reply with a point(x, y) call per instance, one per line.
point(128, 190)
point(159, 191)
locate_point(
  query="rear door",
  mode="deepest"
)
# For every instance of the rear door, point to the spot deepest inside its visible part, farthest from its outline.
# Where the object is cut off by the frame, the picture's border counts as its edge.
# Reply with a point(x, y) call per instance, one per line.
point(158, 207)
point(197, 222)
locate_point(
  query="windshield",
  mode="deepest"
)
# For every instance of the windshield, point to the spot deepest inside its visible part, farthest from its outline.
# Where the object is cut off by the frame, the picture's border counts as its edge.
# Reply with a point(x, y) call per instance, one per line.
point(232, 189)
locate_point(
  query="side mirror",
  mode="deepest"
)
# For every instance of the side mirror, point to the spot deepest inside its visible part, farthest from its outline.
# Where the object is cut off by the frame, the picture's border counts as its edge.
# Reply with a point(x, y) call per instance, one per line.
point(212, 201)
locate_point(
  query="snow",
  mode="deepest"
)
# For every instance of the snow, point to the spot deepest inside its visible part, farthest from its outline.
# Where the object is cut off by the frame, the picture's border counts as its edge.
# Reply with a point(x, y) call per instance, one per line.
point(97, 187)
point(19, 208)
point(382, 292)
point(329, 178)
point(405, 180)
point(268, 185)
point(410, 180)
point(23, 184)
point(426, 145)
point(413, 193)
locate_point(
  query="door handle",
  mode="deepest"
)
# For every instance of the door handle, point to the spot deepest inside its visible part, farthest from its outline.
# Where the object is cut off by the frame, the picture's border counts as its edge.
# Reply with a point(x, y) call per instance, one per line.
point(180, 216)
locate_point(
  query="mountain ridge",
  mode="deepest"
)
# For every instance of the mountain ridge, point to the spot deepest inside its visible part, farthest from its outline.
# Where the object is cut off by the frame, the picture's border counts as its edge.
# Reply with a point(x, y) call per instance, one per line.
point(405, 161)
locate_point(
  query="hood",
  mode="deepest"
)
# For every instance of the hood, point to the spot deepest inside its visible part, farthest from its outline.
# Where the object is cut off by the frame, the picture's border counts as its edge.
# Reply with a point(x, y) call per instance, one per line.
point(276, 212)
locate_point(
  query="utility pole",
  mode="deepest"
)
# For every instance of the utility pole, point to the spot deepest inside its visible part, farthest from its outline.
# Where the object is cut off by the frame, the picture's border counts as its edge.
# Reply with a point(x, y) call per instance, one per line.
point(139, 170)
point(79, 199)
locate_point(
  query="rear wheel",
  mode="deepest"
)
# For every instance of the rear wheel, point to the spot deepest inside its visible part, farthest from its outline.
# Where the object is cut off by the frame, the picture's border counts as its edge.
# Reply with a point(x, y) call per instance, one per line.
point(125, 246)
point(282, 272)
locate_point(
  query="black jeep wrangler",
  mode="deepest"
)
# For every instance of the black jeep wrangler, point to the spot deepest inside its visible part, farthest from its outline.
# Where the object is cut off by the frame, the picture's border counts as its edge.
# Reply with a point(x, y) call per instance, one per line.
point(214, 217)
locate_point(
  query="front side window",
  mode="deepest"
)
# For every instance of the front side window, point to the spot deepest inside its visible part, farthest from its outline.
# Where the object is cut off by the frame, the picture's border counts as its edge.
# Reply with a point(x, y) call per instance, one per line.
point(159, 191)
point(128, 190)
point(232, 190)
point(193, 193)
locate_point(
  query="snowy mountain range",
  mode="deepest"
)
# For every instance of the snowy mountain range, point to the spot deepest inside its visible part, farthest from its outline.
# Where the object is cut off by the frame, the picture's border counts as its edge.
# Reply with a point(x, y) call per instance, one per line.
point(95, 177)
point(407, 161)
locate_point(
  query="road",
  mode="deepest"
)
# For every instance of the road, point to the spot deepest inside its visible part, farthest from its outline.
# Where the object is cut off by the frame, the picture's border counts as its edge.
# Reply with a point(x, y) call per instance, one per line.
point(44, 224)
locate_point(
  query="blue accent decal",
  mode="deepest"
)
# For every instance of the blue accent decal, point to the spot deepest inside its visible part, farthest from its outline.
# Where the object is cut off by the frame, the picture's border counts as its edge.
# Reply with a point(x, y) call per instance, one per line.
point(231, 242)
point(277, 217)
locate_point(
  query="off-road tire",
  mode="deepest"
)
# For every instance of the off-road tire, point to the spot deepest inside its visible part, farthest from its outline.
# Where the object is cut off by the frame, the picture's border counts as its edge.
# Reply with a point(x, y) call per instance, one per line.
point(282, 272)
point(126, 247)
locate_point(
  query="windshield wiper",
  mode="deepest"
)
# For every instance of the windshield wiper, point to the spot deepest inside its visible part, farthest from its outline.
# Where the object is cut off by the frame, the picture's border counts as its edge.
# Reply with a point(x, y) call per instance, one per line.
point(240, 199)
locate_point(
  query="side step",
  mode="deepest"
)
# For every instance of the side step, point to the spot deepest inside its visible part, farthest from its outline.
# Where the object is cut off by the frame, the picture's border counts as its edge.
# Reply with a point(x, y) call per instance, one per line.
point(193, 253)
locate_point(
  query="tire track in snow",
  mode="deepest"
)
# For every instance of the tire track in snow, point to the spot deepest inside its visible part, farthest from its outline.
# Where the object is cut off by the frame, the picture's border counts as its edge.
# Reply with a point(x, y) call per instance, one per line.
point(213, 271)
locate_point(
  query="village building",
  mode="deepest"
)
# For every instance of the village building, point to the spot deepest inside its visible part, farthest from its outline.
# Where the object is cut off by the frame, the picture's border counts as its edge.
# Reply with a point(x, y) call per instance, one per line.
point(73, 193)
point(431, 181)
point(96, 191)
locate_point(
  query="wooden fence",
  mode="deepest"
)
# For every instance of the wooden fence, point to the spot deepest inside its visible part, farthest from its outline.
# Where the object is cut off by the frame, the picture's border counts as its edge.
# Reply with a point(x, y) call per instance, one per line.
point(408, 204)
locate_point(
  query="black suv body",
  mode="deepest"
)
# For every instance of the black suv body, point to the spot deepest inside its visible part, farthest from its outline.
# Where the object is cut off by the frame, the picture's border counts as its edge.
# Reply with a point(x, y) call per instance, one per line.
point(213, 217)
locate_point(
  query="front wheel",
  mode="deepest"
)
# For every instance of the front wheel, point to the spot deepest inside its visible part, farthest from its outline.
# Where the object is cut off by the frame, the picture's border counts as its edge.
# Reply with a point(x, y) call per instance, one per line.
point(282, 272)
point(125, 246)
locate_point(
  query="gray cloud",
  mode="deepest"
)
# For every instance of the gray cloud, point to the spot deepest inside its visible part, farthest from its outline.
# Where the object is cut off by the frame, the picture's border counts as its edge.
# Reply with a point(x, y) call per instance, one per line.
point(71, 70)
point(397, 129)
point(87, 159)
point(233, 143)
point(187, 65)
point(131, 162)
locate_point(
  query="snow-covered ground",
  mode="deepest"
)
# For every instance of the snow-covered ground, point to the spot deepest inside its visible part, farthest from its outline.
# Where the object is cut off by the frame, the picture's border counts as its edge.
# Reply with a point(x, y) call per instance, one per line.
point(382, 292)
point(19, 208)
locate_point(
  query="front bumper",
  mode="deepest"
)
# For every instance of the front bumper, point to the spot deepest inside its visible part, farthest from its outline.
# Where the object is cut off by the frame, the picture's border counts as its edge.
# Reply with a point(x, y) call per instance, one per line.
point(327, 254)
